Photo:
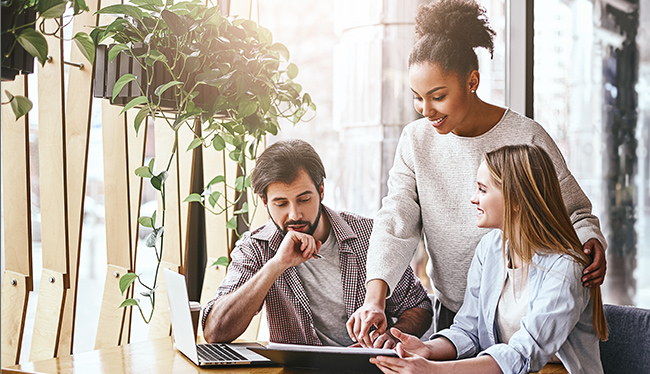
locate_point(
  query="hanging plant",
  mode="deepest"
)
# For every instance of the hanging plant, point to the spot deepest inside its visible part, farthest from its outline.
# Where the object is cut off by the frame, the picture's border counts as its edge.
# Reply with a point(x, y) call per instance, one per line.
point(223, 79)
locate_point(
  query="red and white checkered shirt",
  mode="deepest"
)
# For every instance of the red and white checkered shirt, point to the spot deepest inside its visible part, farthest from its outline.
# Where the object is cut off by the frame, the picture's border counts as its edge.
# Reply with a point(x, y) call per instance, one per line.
point(287, 305)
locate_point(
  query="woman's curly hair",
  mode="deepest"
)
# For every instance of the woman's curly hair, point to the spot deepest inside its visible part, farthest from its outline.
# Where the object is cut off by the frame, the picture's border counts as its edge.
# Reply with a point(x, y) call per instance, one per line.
point(447, 31)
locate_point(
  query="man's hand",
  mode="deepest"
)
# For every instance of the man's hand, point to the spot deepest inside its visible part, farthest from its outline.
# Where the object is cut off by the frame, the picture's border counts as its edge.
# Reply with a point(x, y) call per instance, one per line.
point(594, 274)
point(362, 320)
point(385, 340)
point(296, 248)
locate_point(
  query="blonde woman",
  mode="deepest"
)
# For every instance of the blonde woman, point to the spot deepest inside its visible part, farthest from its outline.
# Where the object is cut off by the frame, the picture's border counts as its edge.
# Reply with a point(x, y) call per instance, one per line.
point(524, 304)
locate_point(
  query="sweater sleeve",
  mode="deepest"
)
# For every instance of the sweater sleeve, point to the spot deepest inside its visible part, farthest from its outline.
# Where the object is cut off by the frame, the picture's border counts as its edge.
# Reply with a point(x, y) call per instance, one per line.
point(398, 224)
point(586, 224)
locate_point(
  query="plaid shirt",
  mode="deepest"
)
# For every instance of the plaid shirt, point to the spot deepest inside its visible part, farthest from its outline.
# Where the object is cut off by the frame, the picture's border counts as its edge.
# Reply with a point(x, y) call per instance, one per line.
point(287, 305)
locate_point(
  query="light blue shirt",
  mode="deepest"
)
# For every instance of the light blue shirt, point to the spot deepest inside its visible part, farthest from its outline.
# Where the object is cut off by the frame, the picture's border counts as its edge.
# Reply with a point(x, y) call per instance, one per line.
point(559, 317)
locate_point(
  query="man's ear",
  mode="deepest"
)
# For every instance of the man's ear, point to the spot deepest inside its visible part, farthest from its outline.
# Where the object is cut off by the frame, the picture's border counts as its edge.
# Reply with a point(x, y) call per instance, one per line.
point(321, 190)
point(263, 200)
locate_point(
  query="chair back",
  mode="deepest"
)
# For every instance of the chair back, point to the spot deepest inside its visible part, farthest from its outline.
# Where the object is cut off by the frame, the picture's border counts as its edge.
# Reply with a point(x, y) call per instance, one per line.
point(628, 348)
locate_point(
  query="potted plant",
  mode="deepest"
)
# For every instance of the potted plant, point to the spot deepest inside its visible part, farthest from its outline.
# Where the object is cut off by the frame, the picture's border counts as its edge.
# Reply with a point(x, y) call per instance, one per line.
point(23, 38)
point(224, 79)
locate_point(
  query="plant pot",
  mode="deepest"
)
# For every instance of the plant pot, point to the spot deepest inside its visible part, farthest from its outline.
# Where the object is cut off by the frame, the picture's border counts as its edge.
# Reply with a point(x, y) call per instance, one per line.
point(18, 60)
point(107, 73)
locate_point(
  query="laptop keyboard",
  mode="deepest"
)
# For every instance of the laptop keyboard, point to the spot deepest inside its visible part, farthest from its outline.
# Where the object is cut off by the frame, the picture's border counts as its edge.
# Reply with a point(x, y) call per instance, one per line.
point(218, 352)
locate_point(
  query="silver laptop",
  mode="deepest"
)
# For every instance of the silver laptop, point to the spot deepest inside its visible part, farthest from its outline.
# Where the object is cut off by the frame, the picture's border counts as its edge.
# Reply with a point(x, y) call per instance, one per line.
point(185, 340)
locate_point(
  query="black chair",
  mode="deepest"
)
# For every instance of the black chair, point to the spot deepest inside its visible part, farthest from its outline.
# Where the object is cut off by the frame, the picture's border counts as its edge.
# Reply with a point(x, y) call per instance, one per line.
point(628, 348)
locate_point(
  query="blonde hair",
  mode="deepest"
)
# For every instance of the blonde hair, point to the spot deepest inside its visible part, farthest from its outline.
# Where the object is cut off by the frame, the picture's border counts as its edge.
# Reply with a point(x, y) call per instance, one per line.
point(535, 217)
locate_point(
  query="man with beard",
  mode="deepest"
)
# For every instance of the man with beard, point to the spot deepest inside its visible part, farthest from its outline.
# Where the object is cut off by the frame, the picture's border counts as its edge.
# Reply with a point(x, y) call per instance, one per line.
point(307, 264)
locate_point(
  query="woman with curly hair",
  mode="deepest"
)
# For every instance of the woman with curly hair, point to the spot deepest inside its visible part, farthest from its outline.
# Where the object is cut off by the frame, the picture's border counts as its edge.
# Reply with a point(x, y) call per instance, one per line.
point(435, 164)
point(524, 305)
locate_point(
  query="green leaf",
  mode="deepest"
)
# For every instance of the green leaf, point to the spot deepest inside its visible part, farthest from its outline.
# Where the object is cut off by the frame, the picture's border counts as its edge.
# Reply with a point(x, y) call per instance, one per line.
point(292, 71)
point(232, 223)
point(193, 198)
point(159, 179)
point(143, 172)
point(195, 143)
point(236, 155)
point(137, 101)
point(142, 114)
point(79, 5)
point(221, 261)
point(239, 183)
point(121, 9)
point(20, 105)
point(126, 280)
point(282, 50)
point(217, 179)
point(128, 302)
point(218, 143)
point(115, 50)
point(174, 22)
point(155, 55)
point(163, 87)
point(246, 108)
point(86, 45)
point(214, 198)
point(51, 8)
point(146, 221)
point(180, 120)
point(156, 183)
point(244, 209)
point(34, 43)
point(157, 3)
point(123, 81)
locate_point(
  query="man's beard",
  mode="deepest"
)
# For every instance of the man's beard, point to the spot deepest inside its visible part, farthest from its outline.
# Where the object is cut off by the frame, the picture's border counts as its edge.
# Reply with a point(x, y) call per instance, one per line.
point(311, 227)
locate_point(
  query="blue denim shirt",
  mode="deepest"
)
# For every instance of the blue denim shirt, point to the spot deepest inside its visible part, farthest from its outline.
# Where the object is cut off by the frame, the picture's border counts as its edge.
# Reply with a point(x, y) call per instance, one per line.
point(559, 317)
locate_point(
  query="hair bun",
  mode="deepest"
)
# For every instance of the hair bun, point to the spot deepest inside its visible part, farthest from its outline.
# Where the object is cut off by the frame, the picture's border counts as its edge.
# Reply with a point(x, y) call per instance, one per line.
point(460, 21)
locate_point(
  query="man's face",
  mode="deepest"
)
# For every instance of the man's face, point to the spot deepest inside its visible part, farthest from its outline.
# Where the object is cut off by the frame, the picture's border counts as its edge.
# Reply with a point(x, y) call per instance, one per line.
point(295, 206)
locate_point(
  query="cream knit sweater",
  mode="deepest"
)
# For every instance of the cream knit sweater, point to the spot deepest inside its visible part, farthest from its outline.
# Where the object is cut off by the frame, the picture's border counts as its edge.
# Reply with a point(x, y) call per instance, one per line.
point(429, 189)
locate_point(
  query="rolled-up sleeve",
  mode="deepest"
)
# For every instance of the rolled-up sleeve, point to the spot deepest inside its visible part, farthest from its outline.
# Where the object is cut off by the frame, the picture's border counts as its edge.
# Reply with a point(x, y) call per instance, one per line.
point(409, 293)
point(245, 262)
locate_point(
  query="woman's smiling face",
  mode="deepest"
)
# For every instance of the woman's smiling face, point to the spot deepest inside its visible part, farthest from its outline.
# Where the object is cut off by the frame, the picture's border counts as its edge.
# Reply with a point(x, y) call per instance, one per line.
point(488, 199)
point(442, 97)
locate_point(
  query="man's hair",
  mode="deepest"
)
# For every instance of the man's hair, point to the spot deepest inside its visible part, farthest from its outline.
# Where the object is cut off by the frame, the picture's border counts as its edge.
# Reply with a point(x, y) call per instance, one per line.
point(282, 160)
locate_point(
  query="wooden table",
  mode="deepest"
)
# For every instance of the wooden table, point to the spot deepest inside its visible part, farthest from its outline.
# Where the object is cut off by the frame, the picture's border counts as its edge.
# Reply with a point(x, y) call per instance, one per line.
point(153, 356)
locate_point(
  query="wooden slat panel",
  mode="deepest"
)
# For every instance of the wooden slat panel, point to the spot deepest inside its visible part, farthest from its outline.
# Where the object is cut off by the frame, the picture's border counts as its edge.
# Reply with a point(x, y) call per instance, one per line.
point(216, 234)
point(17, 225)
point(118, 225)
point(116, 182)
point(16, 197)
point(111, 319)
point(177, 187)
point(185, 172)
point(78, 116)
point(137, 144)
point(49, 312)
point(54, 204)
point(52, 151)
point(164, 143)
point(14, 307)
point(160, 323)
